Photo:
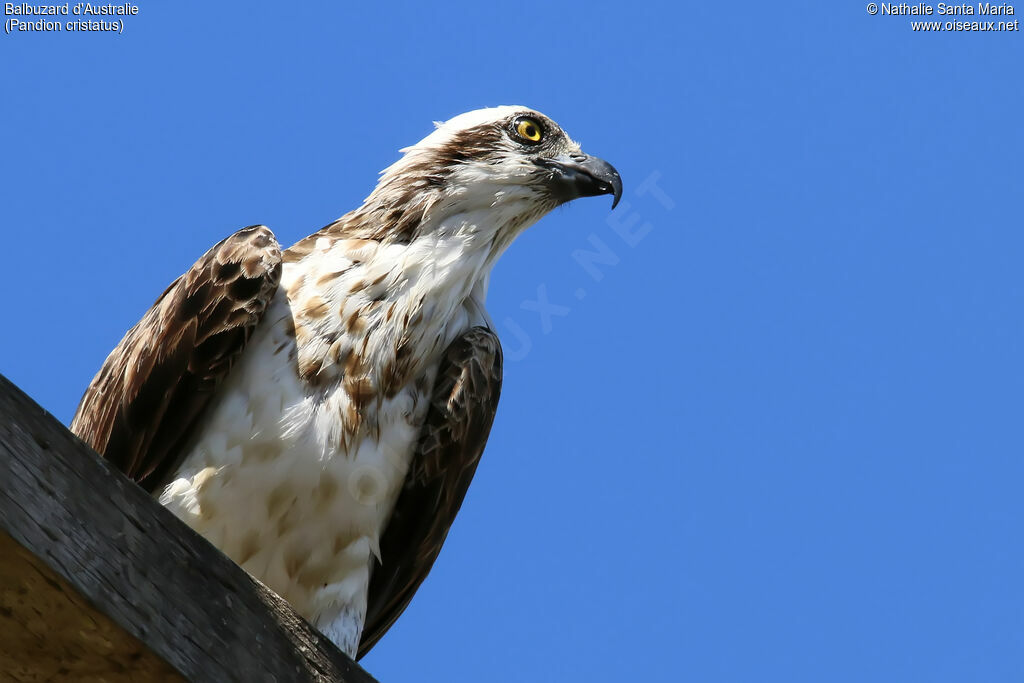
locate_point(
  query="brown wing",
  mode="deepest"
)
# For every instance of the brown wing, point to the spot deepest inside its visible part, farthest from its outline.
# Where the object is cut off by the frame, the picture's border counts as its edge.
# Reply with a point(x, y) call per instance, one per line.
point(461, 411)
point(144, 401)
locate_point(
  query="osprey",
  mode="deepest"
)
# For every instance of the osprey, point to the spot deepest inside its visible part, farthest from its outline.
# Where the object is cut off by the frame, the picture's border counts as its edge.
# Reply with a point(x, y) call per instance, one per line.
point(318, 413)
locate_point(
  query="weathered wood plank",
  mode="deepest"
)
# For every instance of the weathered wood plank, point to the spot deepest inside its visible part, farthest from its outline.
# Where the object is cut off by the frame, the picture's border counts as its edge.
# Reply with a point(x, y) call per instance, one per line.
point(48, 632)
point(133, 572)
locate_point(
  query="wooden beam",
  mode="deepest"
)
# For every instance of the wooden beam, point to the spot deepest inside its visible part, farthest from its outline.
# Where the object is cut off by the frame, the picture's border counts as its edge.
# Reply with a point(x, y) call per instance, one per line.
point(98, 581)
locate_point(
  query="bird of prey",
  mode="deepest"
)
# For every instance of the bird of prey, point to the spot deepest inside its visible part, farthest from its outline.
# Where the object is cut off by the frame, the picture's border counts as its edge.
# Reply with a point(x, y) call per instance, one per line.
point(317, 413)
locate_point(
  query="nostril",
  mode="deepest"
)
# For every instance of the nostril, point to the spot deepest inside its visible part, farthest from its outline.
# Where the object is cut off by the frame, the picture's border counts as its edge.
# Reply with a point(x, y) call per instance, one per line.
point(578, 157)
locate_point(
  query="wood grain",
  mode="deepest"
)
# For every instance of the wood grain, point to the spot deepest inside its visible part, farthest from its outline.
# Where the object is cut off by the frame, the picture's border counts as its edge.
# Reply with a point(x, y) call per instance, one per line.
point(87, 552)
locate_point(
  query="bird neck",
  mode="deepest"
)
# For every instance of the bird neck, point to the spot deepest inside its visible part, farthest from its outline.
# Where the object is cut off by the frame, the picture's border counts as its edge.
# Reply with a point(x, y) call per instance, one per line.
point(393, 306)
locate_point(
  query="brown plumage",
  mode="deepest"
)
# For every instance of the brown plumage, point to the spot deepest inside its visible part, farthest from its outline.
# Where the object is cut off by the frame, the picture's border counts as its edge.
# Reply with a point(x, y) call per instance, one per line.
point(140, 409)
point(319, 414)
point(144, 403)
point(462, 409)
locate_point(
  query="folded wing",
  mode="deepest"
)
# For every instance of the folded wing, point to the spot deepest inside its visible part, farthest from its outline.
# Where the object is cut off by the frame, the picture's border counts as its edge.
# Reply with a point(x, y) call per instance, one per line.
point(144, 402)
point(462, 409)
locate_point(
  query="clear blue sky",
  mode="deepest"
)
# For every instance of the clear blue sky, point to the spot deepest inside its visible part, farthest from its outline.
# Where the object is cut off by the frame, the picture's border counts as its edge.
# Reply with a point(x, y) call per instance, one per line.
point(779, 439)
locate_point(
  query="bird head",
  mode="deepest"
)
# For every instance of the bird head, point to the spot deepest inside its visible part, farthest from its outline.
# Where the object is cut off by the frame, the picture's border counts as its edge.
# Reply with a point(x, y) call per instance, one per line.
point(510, 160)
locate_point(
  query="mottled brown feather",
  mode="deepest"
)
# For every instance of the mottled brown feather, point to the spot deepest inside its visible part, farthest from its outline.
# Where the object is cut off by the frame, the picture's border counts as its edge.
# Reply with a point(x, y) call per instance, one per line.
point(144, 402)
point(396, 210)
point(462, 409)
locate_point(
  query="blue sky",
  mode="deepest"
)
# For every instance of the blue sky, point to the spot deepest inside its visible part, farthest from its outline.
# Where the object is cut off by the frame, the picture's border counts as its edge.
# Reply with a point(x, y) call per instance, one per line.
point(776, 435)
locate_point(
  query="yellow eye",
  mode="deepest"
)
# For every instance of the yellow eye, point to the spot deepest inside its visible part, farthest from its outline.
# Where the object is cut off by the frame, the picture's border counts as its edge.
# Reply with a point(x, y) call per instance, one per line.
point(529, 129)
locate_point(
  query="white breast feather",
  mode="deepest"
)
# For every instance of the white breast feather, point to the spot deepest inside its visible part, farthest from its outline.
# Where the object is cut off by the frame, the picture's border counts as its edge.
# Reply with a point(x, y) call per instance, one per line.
point(269, 481)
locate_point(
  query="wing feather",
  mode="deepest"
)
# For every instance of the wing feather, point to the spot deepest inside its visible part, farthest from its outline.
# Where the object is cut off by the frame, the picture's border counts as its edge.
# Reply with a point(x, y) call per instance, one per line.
point(462, 409)
point(143, 403)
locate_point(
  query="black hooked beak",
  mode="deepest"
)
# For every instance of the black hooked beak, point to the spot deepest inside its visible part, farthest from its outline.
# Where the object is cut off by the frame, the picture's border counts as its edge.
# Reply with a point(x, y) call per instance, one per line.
point(580, 175)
